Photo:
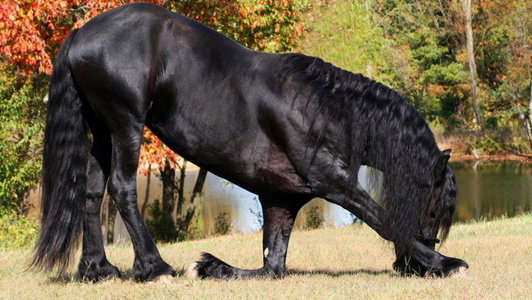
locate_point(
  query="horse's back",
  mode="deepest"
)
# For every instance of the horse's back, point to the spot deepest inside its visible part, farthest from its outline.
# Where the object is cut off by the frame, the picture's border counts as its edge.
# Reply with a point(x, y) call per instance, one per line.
point(127, 57)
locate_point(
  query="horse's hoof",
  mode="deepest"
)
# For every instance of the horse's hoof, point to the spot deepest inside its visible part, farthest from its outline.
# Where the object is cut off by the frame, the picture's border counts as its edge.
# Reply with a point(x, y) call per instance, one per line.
point(455, 267)
point(92, 272)
point(191, 272)
point(157, 270)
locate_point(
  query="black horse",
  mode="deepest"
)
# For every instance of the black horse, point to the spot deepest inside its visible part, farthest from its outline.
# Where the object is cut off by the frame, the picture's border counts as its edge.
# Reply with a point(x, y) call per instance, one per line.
point(287, 127)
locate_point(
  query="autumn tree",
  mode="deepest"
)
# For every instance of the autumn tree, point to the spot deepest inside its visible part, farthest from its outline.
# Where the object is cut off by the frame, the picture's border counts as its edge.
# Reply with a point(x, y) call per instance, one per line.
point(502, 35)
point(518, 71)
point(30, 35)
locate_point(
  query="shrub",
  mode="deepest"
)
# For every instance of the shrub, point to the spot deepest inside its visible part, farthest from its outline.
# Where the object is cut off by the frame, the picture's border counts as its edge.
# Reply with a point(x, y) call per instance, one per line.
point(223, 224)
point(160, 225)
point(16, 231)
point(314, 218)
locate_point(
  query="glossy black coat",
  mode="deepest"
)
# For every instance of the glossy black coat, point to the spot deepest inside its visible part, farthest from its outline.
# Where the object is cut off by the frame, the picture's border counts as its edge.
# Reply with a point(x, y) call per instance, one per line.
point(287, 127)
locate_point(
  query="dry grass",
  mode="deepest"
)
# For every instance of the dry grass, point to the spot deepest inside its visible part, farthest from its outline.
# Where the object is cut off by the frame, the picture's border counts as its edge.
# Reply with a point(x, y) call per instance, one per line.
point(337, 263)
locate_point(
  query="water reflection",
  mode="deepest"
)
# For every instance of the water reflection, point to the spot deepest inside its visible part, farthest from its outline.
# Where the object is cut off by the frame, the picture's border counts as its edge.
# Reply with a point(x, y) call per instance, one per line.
point(489, 190)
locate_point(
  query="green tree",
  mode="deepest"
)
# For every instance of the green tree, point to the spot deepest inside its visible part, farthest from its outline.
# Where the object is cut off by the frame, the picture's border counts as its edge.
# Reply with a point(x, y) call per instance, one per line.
point(346, 34)
point(435, 81)
point(21, 125)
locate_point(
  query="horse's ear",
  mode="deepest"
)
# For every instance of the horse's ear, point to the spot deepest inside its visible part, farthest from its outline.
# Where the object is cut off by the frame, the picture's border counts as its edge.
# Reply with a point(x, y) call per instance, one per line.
point(441, 163)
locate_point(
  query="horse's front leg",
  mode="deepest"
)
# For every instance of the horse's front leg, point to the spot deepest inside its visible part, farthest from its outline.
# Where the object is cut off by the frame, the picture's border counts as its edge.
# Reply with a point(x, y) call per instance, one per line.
point(422, 259)
point(279, 216)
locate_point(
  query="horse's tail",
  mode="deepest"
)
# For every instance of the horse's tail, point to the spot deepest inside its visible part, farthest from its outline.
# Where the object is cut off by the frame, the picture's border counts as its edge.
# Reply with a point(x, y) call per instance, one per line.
point(64, 165)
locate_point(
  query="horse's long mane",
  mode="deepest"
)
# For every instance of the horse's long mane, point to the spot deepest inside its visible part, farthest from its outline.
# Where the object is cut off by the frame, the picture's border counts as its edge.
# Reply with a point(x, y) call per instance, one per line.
point(384, 131)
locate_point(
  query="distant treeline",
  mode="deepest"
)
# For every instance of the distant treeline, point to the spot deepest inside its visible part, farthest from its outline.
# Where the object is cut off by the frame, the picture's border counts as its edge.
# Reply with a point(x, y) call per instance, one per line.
point(465, 64)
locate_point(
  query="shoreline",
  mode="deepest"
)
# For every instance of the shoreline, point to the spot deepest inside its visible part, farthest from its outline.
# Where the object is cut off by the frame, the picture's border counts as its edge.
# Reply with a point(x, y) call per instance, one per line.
point(459, 152)
point(498, 158)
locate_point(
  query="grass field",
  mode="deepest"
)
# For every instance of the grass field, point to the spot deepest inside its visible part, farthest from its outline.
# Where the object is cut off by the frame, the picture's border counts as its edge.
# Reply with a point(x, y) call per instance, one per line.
point(341, 263)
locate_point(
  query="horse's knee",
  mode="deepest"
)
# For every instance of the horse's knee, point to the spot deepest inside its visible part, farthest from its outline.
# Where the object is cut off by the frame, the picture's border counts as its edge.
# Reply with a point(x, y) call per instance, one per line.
point(119, 187)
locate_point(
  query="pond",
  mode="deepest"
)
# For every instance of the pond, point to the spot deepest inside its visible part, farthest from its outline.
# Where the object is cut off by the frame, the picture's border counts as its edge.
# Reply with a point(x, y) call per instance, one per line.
point(485, 191)
point(490, 190)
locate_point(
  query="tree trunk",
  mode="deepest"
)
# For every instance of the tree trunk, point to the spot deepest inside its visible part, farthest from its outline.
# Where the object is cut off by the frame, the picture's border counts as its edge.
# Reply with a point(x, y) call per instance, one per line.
point(169, 190)
point(526, 123)
point(184, 218)
point(147, 196)
point(466, 6)
point(180, 192)
point(174, 200)
point(530, 114)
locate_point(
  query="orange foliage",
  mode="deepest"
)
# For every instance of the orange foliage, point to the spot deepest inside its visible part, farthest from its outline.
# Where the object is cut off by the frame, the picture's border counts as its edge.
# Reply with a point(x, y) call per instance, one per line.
point(265, 25)
point(31, 31)
point(154, 153)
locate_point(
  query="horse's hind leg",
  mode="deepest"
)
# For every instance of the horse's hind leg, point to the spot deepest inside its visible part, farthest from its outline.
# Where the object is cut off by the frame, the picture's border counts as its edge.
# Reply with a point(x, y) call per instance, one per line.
point(122, 186)
point(279, 215)
point(94, 265)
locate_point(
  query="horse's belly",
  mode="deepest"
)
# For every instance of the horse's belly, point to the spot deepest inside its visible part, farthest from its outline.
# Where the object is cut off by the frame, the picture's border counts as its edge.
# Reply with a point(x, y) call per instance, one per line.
point(252, 161)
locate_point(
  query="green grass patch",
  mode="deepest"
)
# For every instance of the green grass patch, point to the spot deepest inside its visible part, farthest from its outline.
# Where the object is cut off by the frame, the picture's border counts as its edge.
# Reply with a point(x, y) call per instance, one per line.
point(339, 263)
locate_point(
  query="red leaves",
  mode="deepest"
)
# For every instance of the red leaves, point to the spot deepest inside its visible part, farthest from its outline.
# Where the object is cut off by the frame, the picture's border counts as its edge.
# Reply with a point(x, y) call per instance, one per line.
point(26, 33)
point(153, 152)
point(32, 31)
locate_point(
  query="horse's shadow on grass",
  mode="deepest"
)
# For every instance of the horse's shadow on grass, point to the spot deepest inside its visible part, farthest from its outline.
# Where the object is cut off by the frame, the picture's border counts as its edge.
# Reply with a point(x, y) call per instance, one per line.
point(127, 275)
point(63, 279)
point(340, 273)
